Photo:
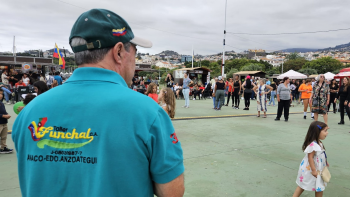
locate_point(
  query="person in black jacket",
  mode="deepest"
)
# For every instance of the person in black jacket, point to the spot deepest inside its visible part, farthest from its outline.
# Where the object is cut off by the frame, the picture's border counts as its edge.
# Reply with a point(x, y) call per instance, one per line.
point(344, 96)
point(334, 90)
point(3, 127)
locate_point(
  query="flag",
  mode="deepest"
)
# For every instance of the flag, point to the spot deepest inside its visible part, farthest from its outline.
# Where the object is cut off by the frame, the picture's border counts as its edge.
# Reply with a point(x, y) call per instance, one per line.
point(58, 54)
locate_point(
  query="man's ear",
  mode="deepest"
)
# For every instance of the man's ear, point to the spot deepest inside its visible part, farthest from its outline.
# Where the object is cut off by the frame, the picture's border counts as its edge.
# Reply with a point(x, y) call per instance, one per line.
point(118, 52)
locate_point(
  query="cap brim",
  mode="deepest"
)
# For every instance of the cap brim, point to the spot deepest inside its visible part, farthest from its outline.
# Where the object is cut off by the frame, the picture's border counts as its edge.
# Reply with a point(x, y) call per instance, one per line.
point(141, 42)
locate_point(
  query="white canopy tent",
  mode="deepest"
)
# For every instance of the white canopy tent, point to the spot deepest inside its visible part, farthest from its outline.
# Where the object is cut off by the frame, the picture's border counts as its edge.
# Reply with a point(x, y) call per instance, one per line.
point(292, 75)
point(329, 76)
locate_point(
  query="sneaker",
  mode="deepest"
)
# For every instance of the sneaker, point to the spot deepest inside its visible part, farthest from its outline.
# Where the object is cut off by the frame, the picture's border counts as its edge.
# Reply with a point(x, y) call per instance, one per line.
point(312, 117)
point(277, 119)
point(304, 117)
point(13, 94)
point(285, 120)
point(6, 151)
point(184, 106)
point(194, 99)
point(8, 103)
point(188, 107)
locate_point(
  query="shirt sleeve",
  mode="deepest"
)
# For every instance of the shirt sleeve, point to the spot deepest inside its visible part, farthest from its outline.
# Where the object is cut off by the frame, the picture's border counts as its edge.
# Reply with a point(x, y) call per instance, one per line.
point(166, 159)
point(279, 89)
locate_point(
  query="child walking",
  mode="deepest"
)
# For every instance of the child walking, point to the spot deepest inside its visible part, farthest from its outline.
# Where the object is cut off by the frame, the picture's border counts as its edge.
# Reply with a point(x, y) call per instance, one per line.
point(314, 162)
point(152, 91)
point(3, 126)
point(166, 100)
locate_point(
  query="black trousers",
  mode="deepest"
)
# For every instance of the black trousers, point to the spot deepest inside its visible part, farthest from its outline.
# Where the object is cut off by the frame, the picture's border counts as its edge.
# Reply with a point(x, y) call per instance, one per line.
point(247, 99)
point(236, 97)
point(341, 107)
point(228, 97)
point(283, 105)
point(332, 97)
point(197, 93)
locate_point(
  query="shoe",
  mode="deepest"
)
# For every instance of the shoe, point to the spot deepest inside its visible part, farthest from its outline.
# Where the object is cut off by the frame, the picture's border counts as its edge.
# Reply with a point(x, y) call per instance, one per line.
point(341, 122)
point(277, 119)
point(219, 109)
point(226, 105)
point(13, 94)
point(8, 103)
point(285, 120)
point(245, 108)
point(184, 106)
point(194, 99)
point(187, 107)
point(312, 117)
point(268, 104)
point(6, 151)
point(304, 117)
point(237, 107)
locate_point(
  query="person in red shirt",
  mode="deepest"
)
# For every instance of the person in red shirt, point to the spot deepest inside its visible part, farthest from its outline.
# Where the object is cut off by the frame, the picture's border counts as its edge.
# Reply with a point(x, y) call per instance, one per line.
point(230, 92)
point(152, 91)
point(20, 83)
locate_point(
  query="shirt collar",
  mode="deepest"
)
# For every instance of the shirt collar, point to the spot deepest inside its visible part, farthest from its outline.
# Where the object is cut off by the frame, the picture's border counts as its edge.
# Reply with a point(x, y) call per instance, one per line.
point(96, 74)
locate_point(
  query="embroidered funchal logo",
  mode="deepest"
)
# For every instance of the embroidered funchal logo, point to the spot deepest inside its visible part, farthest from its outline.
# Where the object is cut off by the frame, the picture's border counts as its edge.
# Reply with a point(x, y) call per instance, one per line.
point(38, 131)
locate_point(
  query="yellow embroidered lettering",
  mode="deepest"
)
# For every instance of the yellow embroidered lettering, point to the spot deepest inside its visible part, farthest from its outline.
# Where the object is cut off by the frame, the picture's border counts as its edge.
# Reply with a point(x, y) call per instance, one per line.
point(68, 135)
point(82, 135)
point(61, 135)
point(53, 134)
point(88, 135)
point(74, 134)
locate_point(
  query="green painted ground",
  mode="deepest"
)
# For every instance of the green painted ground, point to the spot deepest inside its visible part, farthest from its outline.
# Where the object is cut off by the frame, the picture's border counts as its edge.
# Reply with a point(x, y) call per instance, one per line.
point(238, 156)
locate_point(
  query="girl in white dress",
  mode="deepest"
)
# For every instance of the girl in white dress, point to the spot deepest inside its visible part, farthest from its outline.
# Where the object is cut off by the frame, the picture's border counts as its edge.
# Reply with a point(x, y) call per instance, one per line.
point(313, 163)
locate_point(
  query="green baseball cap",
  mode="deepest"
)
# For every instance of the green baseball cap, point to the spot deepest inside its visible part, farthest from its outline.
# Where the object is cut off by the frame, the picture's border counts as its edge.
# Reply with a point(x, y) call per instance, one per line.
point(103, 28)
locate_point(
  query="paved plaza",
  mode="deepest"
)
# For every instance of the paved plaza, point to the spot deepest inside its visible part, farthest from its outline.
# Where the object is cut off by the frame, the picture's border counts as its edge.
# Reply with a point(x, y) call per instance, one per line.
point(234, 153)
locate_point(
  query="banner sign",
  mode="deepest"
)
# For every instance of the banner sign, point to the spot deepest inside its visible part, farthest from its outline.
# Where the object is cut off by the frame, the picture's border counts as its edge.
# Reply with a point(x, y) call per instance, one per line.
point(26, 66)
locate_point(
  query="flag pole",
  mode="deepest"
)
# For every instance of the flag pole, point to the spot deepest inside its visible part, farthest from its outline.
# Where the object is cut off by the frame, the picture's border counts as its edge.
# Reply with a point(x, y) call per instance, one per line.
point(223, 53)
point(192, 56)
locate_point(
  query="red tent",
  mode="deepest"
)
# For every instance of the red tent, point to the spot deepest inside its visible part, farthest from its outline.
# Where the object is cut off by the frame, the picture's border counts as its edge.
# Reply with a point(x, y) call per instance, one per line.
point(345, 70)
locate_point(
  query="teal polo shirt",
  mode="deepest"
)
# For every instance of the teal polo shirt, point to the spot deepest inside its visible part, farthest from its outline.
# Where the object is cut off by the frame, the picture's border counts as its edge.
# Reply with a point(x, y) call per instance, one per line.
point(94, 136)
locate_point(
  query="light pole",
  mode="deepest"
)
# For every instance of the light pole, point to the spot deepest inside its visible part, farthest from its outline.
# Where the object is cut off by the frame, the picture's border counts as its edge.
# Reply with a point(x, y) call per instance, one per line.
point(223, 53)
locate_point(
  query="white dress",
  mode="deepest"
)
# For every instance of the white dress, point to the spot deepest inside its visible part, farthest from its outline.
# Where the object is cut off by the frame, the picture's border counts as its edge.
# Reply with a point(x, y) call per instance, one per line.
point(261, 98)
point(305, 179)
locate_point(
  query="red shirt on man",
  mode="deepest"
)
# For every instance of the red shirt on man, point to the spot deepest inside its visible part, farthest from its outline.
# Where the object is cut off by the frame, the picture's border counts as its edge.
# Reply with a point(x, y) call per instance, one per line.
point(20, 84)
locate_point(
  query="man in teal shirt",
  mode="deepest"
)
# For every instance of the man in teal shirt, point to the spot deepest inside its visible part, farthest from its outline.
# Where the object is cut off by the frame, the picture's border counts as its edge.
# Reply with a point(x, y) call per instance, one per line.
point(119, 143)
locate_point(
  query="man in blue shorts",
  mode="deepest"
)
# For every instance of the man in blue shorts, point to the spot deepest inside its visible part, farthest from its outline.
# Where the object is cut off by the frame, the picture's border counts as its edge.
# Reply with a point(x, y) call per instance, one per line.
point(75, 141)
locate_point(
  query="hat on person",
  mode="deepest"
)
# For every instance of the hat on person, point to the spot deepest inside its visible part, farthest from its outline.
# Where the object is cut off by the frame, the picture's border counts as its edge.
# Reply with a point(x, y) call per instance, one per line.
point(102, 29)
point(220, 77)
point(248, 77)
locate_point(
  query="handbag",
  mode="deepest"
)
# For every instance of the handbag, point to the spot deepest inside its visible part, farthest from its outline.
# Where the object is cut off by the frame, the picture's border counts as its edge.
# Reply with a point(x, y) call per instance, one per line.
point(326, 175)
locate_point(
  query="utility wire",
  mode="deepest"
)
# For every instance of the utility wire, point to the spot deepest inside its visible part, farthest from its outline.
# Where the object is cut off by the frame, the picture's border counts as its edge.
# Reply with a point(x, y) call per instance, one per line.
point(291, 33)
point(157, 29)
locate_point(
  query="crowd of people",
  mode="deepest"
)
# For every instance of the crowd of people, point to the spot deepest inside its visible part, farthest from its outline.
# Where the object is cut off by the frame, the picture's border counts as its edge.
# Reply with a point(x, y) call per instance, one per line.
point(9, 86)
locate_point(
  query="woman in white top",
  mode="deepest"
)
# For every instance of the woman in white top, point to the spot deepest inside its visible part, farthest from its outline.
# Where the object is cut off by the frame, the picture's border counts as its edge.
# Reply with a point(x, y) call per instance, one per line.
point(25, 79)
point(177, 90)
point(261, 95)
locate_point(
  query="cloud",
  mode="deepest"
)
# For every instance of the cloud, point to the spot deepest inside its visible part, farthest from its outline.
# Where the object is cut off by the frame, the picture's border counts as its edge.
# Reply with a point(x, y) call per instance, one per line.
point(179, 25)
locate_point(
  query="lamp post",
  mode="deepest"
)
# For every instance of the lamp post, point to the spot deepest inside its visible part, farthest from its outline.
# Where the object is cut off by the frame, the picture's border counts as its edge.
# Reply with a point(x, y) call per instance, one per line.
point(223, 53)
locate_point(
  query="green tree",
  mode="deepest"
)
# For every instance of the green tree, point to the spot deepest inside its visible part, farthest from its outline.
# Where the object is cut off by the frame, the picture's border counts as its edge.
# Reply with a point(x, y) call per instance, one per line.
point(268, 66)
point(142, 73)
point(308, 71)
point(294, 56)
point(154, 75)
point(230, 73)
point(294, 64)
point(205, 63)
point(324, 64)
point(253, 67)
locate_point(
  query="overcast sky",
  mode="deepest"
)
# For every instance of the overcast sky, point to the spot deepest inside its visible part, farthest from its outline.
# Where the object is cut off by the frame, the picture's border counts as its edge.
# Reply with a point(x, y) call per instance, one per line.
point(179, 24)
